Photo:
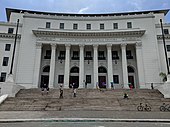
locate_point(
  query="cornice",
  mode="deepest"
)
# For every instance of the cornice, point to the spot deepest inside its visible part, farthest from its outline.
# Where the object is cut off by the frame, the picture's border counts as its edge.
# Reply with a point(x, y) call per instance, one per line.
point(10, 36)
point(88, 18)
point(166, 36)
point(9, 24)
point(100, 34)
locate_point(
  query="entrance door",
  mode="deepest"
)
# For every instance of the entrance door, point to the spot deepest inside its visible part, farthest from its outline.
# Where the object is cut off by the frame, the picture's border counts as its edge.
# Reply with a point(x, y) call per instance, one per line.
point(102, 81)
point(74, 79)
point(44, 79)
point(131, 80)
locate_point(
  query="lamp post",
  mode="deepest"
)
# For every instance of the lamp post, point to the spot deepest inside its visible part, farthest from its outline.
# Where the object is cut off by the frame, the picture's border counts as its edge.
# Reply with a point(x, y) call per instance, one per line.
point(12, 62)
point(163, 38)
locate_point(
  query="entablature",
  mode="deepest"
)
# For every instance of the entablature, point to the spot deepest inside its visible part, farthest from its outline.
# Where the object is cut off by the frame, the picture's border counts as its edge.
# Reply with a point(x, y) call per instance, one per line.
point(10, 36)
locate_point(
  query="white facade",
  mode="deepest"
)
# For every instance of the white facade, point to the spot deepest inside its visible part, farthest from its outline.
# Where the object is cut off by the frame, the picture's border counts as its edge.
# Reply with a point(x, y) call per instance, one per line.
point(47, 42)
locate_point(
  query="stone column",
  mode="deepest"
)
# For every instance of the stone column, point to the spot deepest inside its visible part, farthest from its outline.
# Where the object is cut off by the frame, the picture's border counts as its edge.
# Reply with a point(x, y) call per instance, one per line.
point(81, 64)
point(52, 65)
point(140, 65)
point(37, 65)
point(67, 67)
point(109, 65)
point(124, 66)
point(95, 64)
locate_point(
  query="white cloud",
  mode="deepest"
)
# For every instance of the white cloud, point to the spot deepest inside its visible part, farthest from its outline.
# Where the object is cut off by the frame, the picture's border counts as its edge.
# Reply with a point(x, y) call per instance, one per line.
point(137, 4)
point(82, 10)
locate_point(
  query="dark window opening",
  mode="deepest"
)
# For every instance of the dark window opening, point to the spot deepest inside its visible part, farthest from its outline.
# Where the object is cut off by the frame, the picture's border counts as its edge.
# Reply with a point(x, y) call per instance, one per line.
point(61, 25)
point(116, 79)
point(48, 24)
point(74, 70)
point(75, 55)
point(115, 25)
point(101, 55)
point(88, 78)
point(48, 54)
point(7, 47)
point(5, 61)
point(168, 48)
point(130, 69)
point(10, 30)
point(62, 55)
point(88, 55)
point(61, 79)
point(129, 24)
point(75, 26)
point(129, 54)
point(166, 31)
point(102, 70)
point(46, 69)
point(115, 55)
point(3, 77)
point(88, 26)
point(102, 26)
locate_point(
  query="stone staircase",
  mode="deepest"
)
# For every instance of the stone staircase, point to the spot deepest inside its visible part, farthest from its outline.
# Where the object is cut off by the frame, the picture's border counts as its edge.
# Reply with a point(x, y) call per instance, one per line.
point(87, 99)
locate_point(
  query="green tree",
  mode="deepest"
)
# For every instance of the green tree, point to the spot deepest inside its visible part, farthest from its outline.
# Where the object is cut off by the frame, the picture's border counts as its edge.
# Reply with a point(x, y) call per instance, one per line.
point(163, 76)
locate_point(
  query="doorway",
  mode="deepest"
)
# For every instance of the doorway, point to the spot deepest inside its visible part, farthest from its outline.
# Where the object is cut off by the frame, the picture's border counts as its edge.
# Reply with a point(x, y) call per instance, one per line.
point(74, 79)
point(102, 81)
point(44, 80)
point(131, 81)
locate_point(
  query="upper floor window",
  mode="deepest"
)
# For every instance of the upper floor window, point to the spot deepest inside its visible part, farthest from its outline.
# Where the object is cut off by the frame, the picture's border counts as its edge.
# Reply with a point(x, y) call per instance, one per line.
point(129, 24)
point(48, 24)
point(115, 25)
point(129, 54)
point(10, 30)
point(7, 47)
point(102, 26)
point(61, 25)
point(75, 55)
point(166, 31)
point(101, 55)
point(115, 55)
point(5, 61)
point(62, 55)
point(168, 48)
point(88, 26)
point(3, 77)
point(75, 26)
point(48, 54)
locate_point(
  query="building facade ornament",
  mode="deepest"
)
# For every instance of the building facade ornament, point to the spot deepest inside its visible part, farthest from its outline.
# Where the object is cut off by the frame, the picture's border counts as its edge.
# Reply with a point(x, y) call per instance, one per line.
point(138, 44)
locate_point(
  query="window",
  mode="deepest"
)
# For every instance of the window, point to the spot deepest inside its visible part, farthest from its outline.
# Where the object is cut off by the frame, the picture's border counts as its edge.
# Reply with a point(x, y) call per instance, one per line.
point(88, 55)
point(129, 54)
point(115, 55)
point(61, 79)
point(46, 69)
point(5, 61)
point(116, 79)
point(61, 25)
point(102, 70)
point(7, 47)
point(10, 30)
point(101, 55)
point(88, 26)
point(62, 55)
point(166, 31)
point(168, 48)
point(102, 26)
point(74, 70)
point(48, 54)
point(48, 24)
point(115, 25)
point(3, 76)
point(75, 26)
point(88, 78)
point(75, 55)
point(129, 24)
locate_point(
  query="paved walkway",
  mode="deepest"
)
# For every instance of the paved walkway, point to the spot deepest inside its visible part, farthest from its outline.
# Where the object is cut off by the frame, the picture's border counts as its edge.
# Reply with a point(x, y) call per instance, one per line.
point(82, 114)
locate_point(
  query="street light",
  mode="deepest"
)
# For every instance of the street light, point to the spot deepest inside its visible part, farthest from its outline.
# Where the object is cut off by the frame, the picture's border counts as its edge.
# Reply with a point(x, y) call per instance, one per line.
point(163, 38)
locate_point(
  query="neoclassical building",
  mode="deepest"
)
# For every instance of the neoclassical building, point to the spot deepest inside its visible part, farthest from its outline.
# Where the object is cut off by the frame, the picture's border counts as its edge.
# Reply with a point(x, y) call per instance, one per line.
point(99, 49)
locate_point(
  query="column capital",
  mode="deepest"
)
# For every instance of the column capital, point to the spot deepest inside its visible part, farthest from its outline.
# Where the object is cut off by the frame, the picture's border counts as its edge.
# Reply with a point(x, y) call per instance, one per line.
point(109, 46)
point(38, 45)
point(139, 44)
point(123, 45)
point(67, 46)
point(53, 46)
point(95, 46)
point(81, 46)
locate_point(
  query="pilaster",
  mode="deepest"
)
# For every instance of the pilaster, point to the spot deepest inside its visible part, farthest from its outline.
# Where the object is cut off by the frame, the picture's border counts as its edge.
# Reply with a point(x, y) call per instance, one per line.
point(95, 64)
point(81, 64)
point(109, 65)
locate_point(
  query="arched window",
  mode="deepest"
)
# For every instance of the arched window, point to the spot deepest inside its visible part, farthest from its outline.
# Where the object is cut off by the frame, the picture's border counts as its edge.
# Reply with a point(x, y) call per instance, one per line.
point(130, 69)
point(46, 69)
point(74, 70)
point(102, 70)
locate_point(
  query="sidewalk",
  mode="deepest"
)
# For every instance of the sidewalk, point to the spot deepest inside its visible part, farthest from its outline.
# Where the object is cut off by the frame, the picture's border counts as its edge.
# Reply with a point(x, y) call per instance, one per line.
point(91, 116)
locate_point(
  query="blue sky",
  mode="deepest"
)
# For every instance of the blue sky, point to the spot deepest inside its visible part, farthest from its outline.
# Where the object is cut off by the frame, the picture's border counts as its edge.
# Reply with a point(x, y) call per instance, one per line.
point(84, 6)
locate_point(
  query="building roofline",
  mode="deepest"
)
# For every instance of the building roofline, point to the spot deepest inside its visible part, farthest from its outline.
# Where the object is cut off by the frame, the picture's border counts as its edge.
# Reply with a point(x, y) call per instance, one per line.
point(10, 10)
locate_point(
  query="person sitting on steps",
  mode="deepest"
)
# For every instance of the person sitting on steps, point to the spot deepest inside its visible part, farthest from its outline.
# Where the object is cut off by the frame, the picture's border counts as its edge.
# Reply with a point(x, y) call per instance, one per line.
point(125, 96)
point(43, 88)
